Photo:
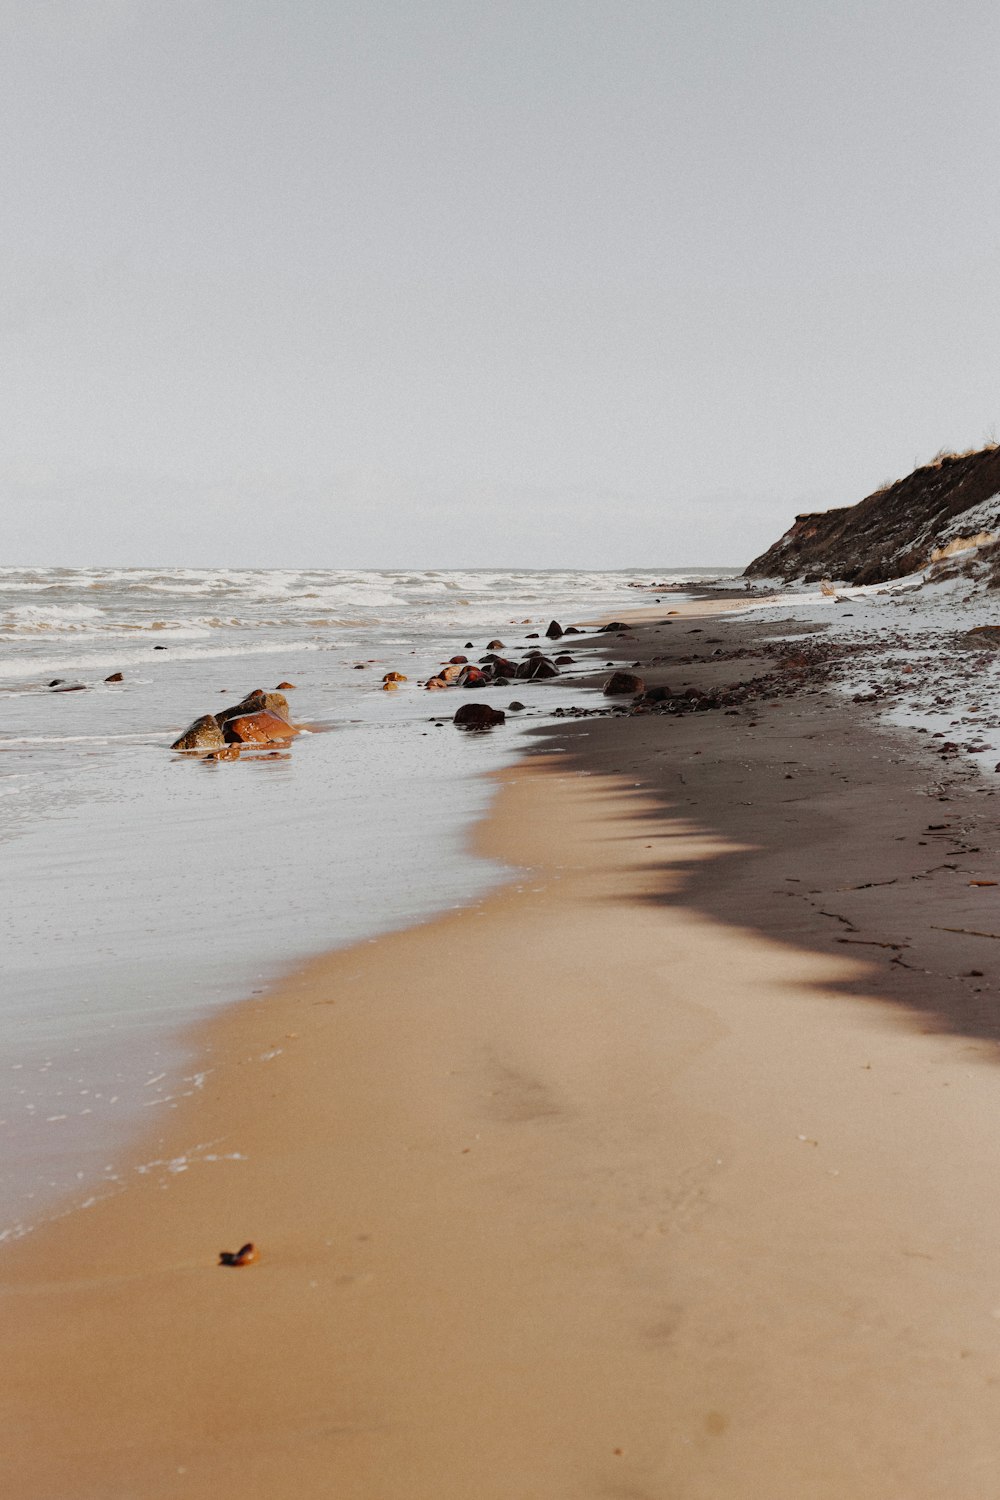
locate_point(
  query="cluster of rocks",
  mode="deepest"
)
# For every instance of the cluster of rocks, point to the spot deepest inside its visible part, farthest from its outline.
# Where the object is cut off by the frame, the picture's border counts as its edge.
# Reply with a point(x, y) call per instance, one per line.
point(60, 685)
point(258, 719)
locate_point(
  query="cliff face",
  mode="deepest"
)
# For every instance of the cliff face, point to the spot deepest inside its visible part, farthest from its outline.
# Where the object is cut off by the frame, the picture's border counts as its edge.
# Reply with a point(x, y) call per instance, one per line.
point(895, 531)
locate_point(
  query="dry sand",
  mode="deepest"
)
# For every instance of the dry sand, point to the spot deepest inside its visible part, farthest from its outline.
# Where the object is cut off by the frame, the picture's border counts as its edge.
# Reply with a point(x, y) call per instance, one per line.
point(630, 1181)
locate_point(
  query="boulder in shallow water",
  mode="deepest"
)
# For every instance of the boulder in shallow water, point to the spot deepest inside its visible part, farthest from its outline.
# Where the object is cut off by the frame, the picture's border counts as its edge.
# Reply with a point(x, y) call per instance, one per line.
point(496, 646)
point(554, 631)
point(619, 684)
point(254, 703)
point(257, 729)
point(536, 668)
point(393, 677)
point(115, 677)
point(478, 716)
point(203, 734)
point(285, 687)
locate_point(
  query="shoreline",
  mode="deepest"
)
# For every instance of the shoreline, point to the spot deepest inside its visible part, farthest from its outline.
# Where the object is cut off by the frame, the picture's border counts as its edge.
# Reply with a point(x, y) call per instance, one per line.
point(628, 1178)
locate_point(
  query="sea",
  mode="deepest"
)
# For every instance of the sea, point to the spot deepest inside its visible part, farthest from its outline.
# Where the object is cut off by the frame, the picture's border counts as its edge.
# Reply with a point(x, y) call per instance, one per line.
point(141, 888)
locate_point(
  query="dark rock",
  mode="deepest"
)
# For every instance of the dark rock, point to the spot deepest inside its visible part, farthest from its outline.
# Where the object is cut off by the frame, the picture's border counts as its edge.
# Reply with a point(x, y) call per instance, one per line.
point(573, 630)
point(621, 683)
point(564, 660)
point(71, 687)
point(532, 636)
point(203, 734)
point(159, 648)
point(472, 677)
point(536, 668)
point(57, 682)
point(115, 677)
point(478, 716)
point(517, 708)
point(555, 631)
point(468, 646)
point(612, 625)
point(457, 661)
point(495, 646)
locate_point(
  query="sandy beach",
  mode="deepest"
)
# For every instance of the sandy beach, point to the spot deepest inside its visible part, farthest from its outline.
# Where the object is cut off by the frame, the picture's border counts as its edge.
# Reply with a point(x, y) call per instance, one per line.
point(664, 1172)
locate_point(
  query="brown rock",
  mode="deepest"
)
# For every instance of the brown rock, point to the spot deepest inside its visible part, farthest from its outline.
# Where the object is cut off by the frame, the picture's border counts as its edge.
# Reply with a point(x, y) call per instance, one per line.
point(554, 631)
point(285, 687)
point(254, 703)
point(449, 673)
point(564, 660)
point(115, 677)
point(495, 646)
point(619, 684)
point(478, 716)
point(257, 729)
point(434, 683)
point(457, 661)
point(203, 734)
point(394, 677)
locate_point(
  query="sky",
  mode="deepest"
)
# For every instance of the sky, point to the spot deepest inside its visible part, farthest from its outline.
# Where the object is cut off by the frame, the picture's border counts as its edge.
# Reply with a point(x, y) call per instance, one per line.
point(458, 283)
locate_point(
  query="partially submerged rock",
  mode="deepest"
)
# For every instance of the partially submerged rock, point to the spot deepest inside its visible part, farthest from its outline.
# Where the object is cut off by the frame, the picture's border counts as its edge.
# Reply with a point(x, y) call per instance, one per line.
point(254, 703)
point(554, 630)
point(115, 677)
point(203, 734)
point(536, 668)
point(261, 728)
point(478, 716)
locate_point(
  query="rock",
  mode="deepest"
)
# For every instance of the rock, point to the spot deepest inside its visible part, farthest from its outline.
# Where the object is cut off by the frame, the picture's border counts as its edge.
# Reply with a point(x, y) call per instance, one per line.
point(478, 716)
point(390, 687)
point(394, 677)
point(228, 752)
point(564, 660)
point(518, 708)
point(360, 666)
point(254, 703)
point(471, 677)
point(70, 687)
point(457, 661)
point(433, 684)
point(257, 729)
point(115, 677)
point(203, 734)
point(613, 625)
point(495, 646)
point(449, 673)
point(244, 1256)
point(468, 646)
point(499, 664)
point(555, 631)
point(159, 648)
point(981, 638)
point(285, 687)
point(621, 683)
point(536, 668)
point(57, 682)
point(532, 636)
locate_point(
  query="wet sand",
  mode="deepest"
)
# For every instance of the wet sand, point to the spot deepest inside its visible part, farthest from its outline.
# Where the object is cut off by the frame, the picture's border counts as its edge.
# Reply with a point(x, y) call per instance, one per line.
point(633, 1180)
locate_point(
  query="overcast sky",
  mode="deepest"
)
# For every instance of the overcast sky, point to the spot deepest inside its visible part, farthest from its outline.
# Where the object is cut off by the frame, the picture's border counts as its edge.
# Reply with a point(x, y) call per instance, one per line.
point(444, 283)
